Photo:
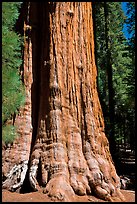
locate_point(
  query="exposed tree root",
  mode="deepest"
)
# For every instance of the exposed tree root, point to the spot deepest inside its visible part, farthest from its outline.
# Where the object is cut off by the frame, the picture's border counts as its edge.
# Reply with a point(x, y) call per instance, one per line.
point(59, 189)
point(61, 182)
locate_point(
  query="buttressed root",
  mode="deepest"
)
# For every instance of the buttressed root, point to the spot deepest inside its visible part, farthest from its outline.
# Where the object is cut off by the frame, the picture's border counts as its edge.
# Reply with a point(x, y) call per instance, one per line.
point(61, 180)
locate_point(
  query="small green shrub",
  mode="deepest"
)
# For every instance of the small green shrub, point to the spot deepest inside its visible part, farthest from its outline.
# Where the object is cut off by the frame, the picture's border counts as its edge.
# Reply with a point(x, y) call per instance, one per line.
point(8, 134)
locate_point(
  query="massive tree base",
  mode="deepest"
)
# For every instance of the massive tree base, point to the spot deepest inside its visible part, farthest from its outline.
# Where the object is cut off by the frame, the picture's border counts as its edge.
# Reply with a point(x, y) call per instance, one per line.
point(91, 176)
point(70, 152)
point(61, 180)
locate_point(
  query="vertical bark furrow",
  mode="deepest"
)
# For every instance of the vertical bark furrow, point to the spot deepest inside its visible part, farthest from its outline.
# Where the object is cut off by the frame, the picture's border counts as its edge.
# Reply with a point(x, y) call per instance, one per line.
point(71, 149)
point(80, 163)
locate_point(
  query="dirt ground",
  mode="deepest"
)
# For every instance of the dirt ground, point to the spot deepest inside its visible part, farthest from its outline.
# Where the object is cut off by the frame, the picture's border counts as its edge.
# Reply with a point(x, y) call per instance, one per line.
point(40, 197)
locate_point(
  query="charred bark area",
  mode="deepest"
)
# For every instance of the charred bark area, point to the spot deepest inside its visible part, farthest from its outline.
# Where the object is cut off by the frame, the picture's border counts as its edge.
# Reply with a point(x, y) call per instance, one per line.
point(41, 66)
point(39, 22)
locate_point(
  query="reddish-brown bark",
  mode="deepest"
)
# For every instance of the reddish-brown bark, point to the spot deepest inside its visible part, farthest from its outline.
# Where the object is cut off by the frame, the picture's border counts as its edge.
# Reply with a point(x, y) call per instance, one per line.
point(70, 153)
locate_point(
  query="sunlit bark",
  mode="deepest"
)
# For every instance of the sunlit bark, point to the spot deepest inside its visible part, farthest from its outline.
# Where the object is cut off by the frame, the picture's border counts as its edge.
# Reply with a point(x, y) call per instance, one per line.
point(70, 152)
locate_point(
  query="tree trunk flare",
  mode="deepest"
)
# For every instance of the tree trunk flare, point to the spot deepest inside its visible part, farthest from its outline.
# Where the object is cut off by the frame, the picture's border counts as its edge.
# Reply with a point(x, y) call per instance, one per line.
point(70, 152)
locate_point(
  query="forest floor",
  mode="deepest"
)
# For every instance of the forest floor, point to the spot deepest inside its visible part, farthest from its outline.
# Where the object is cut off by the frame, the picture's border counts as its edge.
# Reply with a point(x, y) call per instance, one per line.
point(40, 197)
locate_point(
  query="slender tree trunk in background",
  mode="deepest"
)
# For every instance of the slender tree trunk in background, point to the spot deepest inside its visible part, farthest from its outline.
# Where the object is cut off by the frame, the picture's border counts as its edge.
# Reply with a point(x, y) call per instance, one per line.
point(110, 87)
point(70, 152)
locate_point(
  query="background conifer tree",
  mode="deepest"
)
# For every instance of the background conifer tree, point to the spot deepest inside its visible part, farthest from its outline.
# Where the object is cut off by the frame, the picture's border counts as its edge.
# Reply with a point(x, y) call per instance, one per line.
point(122, 54)
point(12, 87)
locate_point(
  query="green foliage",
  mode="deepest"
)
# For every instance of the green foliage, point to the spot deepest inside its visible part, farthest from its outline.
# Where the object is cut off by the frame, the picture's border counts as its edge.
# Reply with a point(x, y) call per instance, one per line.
point(8, 134)
point(13, 93)
point(10, 13)
point(123, 65)
point(130, 21)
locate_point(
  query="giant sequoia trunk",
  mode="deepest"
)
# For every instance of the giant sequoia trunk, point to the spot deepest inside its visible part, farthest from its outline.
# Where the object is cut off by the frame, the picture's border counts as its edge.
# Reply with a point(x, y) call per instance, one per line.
point(70, 152)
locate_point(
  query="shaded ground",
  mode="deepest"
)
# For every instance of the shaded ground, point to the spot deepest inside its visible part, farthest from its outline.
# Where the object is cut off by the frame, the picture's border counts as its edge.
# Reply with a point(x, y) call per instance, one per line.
point(40, 197)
